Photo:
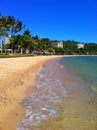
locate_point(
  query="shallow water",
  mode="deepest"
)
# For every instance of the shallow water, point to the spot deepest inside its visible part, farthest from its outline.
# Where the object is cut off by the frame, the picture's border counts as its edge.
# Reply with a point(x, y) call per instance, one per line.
point(62, 100)
point(43, 103)
point(85, 67)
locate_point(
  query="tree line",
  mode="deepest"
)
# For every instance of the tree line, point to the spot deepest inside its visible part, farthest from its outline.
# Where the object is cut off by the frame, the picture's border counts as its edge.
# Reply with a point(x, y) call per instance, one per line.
point(71, 47)
point(21, 40)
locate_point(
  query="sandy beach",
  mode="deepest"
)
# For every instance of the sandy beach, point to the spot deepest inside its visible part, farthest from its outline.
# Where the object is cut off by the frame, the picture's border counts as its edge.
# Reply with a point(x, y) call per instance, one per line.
point(77, 111)
point(16, 76)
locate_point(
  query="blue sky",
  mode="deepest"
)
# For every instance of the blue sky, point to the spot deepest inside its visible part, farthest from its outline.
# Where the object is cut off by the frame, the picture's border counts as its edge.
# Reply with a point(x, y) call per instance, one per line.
point(56, 19)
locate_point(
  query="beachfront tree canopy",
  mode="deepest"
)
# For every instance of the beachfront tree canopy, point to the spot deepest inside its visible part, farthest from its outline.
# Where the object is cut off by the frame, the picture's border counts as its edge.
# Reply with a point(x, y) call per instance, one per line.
point(10, 25)
point(25, 42)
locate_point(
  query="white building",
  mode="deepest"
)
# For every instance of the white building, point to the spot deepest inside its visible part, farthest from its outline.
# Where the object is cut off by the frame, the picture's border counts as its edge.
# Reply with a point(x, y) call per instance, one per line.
point(80, 45)
point(58, 44)
point(6, 40)
point(1, 40)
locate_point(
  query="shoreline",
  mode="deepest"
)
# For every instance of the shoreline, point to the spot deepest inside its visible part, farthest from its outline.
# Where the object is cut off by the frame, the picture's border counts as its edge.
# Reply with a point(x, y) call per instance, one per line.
point(77, 110)
point(16, 76)
point(17, 80)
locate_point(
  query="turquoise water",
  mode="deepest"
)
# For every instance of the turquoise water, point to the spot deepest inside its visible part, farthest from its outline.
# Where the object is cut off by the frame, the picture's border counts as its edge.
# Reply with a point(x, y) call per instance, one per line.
point(85, 67)
point(63, 99)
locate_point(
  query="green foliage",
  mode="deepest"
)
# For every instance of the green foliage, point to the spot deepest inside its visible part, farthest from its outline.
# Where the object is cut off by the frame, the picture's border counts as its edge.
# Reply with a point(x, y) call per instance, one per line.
point(70, 47)
point(59, 50)
point(27, 33)
point(10, 25)
point(91, 48)
point(11, 55)
point(3, 33)
point(27, 43)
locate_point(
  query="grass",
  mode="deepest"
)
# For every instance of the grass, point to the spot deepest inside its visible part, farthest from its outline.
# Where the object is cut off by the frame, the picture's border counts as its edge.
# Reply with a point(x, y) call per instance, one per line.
point(13, 55)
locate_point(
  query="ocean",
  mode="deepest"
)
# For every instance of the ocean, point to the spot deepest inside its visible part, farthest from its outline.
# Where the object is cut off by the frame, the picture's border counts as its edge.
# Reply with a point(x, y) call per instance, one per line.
point(65, 96)
point(85, 67)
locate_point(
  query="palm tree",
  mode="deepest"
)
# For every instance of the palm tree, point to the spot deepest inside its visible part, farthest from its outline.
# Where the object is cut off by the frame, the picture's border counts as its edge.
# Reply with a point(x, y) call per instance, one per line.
point(2, 28)
point(2, 23)
point(11, 26)
point(18, 26)
point(27, 33)
point(45, 43)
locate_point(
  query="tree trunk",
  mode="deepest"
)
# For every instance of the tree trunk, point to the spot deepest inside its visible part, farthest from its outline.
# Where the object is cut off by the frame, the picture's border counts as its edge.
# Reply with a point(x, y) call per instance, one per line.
point(1, 46)
point(21, 50)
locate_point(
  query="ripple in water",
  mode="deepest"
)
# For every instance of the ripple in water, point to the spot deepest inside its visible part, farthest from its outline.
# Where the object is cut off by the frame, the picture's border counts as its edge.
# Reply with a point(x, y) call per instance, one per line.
point(43, 104)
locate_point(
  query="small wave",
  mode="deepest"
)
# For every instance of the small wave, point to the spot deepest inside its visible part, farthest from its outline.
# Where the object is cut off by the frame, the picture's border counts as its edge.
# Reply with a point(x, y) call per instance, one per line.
point(43, 104)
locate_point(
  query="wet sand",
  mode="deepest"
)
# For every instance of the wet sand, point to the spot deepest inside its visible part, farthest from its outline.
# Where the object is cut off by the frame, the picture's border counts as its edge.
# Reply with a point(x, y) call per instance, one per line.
point(62, 101)
point(77, 110)
point(16, 75)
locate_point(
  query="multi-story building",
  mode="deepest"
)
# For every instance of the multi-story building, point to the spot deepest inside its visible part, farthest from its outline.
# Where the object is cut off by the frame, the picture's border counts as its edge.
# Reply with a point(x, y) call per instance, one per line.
point(80, 45)
point(6, 40)
point(0, 40)
point(3, 41)
point(57, 44)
